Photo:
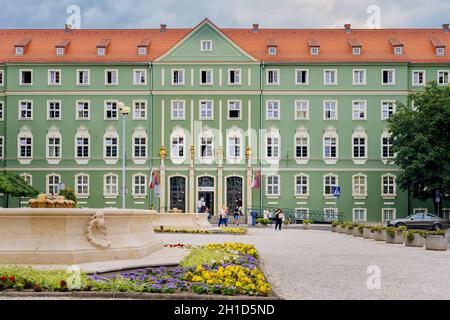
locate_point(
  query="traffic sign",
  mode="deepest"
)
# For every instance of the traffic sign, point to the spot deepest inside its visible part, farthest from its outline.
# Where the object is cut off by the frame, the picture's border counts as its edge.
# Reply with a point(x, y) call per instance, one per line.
point(336, 191)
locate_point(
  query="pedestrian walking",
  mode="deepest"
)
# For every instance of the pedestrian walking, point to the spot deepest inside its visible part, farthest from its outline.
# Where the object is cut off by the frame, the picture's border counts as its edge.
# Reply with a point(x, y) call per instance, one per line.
point(223, 217)
point(236, 214)
point(254, 215)
point(279, 217)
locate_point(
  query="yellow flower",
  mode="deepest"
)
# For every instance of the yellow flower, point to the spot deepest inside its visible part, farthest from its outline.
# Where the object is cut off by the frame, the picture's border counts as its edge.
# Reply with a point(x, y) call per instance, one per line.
point(199, 268)
point(238, 284)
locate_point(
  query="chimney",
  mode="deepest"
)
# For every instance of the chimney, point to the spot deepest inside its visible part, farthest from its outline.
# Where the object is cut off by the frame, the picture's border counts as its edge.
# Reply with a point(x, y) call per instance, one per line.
point(347, 27)
point(445, 27)
point(163, 28)
point(255, 27)
point(68, 27)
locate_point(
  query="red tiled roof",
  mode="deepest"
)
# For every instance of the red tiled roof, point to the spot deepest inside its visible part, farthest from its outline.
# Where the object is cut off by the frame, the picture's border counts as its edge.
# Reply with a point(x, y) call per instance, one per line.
point(293, 44)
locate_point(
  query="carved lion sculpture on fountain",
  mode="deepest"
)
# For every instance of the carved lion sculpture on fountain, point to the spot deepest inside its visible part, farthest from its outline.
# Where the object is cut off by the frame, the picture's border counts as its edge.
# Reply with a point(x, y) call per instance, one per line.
point(97, 230)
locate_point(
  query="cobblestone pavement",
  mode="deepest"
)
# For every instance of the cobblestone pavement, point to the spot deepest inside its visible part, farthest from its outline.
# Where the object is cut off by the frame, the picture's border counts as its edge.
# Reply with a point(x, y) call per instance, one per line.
point(312, 264)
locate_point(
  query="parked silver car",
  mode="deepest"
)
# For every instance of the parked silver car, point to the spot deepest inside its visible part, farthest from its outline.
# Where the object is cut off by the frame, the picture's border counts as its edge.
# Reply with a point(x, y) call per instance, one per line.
point(427, 221)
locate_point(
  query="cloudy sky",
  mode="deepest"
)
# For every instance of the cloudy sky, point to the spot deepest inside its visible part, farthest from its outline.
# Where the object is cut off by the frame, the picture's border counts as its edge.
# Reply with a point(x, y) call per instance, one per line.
point(225, 13)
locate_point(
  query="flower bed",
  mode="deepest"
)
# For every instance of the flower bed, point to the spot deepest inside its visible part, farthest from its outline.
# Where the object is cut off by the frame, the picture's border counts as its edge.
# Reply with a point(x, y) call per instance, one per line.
point(228, 230)
point(226, 269)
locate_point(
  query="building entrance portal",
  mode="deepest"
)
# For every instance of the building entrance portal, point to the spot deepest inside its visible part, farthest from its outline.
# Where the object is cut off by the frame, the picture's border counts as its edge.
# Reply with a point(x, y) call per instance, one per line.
point(206, 191)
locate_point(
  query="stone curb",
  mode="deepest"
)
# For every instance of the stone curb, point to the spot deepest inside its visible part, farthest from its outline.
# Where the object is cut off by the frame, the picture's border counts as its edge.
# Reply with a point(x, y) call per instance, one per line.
point(130, 295)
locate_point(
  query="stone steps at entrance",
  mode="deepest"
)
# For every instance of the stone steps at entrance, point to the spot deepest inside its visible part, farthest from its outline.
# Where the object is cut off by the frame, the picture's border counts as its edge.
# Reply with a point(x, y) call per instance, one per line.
point(242, 220)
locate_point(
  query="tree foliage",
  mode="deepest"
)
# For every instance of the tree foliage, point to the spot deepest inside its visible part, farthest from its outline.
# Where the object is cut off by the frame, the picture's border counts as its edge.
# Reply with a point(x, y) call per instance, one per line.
point(421, 140)
point(16, 186)
point(69, 194)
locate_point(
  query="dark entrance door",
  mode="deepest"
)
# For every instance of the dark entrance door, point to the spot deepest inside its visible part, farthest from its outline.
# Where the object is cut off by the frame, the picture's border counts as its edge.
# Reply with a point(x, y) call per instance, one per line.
point(234, 192)
point(206, 191)
point(178, 193)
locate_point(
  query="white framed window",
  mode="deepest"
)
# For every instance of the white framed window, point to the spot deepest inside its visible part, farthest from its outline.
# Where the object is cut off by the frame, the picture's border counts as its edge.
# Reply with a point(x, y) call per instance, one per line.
point(398, 50)
point(301, 77)
point(82, 146)
point(206, 45)
point(329, 182)
point(25, 145)
point(53, 183)
point(54, 77)
point(301, 109)
point(111, 77)
point(330, 110)
point(139, 185)
point(206, 77)
point(53, 110)
point(420, 210)
point(139, 144)
point(60, 51)
point(388, 214)
point(111, 111)
point(388, 77)
point(206, 145)
point(140, 110)
point(82, 185)
point(142, 51)
point(206, 110)
point(330, 77)
point(418, 78)
point(301, 185)
point(359, 77)
point(26, 77)
point(139, 77)
point(2, 111)
point(302, 146)
point(386, 146)
point(28, 178)
point(25, 110)
point(234, 144)
point(110, 185)
point(443, 77)
point(272, 51)
point(273, 110)
point(388, 185)
point(101, 51)
point(356, 51)
point(301, 213)
point(83, 77)
point(273, 77)
point(2, 78)
point(234, 109)
point(273, 144)
point(83, 110)
point(54, 143)
point(273, 185)
point(359, 110)
point(359, 146)
point(234, 77)
point(314, 51)
point(19, 51)
point(359, 185)
point(2, 147)
point(440, 51)
point(359, 214)
point(178, 145)
point(177, 109)
point(178, 77)
point(330, 148)
point(387, 109)
point(111, 146)
point(330, 214)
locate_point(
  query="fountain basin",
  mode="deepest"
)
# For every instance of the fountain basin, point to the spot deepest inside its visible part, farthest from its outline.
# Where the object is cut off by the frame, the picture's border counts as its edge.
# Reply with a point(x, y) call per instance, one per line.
point(194, 221)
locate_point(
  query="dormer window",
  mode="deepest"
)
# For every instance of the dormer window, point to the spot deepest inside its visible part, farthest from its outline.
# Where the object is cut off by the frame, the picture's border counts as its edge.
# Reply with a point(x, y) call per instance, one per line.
point(440, 51)
point(272, 45)
point(19, 51)
point(272, 51)
point(314, 46)
point(59, 51)
point(102, 46)
point(61, 47)
point(206, 45)
point(397, 46)
point(398, 50)
point(143, 47)
point(356, 51)
point(21, 46)
point(356, 47)
point(439, 46)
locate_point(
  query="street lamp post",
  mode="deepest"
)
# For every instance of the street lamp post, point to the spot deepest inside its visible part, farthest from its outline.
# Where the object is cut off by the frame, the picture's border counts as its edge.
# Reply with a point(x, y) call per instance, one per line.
point(124, 110)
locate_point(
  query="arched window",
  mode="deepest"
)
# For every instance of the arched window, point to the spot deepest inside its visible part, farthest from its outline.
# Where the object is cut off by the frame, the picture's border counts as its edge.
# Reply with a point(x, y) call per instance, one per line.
point(28, 178)
point(388, 185)
point(25, 146)
point(301, 140)
point(82, 146)
point(359, 185)
point(234, 144)
point(273, 185)
point(82, 185)
point(54, 145)
point(330, 146)
point(329, 181)
point(301, 185)
point(273, 144)
point(139, 140)
point(53, 184)
point(359, 146)
point(206, 150)
point(178, 145)
point(139, 185)
point(111, 145)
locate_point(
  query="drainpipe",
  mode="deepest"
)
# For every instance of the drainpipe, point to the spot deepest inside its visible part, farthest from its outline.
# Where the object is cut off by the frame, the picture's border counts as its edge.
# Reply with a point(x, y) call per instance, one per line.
point(150, 144)
point(260, 135)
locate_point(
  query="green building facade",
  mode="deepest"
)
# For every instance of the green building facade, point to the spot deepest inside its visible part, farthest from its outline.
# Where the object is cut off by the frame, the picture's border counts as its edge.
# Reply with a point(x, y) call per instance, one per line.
point(208, 118)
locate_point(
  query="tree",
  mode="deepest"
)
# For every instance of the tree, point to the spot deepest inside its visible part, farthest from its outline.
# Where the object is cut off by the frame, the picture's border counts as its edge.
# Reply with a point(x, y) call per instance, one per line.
point(16, 186)
point(421, 142)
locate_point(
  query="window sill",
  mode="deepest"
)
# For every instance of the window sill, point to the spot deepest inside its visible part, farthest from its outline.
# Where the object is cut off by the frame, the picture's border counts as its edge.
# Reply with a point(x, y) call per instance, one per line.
point(360, 197)
point(303, 197)
point(53, 161)
point(359, 161)
point(389, 197)
point(24, 161)
point(82, 161)
point(111, 161)
point(330, 161)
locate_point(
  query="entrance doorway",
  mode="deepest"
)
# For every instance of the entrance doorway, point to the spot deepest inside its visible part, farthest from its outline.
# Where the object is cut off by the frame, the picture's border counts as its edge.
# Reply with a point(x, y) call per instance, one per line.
point(206, 191)
point(177, 197)
point(234, 192)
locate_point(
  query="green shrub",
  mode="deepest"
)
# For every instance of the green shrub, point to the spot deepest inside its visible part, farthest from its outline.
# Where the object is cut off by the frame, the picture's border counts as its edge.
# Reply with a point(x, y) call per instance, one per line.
point(263, 221)
point(361, 228)
point(307, 221)
point(334, 224)
point(411, 234)
point(69, 194)
point(434, 233)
